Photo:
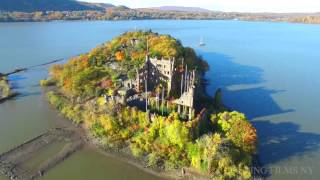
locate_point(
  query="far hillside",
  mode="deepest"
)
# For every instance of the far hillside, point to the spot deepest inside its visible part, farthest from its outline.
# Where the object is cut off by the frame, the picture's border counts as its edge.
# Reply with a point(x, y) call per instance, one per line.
point(182, 9)
point(49, 5)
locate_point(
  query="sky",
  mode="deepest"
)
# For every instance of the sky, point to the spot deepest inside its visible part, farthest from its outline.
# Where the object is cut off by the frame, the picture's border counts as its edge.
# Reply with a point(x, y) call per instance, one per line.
point(227, 5)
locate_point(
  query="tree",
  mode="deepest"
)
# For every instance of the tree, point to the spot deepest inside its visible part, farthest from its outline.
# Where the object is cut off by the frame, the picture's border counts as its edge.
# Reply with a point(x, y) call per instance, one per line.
point(239, 130)
point(37, 15)
point(98, 129)
point(120, 55)
point(218, 99)
point(106, 83)
point(177, 133)
point(132, 74)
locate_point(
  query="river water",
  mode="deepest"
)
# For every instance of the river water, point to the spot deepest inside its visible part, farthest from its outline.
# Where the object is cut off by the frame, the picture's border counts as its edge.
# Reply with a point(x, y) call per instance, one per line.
point(269, 71)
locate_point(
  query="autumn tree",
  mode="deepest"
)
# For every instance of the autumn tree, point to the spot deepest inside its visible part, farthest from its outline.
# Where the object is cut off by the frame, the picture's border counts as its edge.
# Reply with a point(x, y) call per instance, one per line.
point(239, 130)
point(120, 55)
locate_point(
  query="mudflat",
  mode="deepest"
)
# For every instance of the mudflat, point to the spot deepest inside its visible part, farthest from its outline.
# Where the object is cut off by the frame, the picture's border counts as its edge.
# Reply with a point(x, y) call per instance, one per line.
point(14, 163)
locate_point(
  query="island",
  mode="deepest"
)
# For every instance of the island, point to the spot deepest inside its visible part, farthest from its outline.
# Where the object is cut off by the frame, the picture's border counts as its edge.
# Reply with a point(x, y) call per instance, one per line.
point(142, 95)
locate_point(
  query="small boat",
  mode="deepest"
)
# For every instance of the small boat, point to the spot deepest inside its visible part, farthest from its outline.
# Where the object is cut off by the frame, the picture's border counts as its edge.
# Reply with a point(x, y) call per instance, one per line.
point(201, 43)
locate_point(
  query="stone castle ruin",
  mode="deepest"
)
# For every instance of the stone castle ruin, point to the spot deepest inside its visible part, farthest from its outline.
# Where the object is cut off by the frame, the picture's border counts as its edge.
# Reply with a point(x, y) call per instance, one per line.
point(186, 101)
point(159, 72)
point(154, 72)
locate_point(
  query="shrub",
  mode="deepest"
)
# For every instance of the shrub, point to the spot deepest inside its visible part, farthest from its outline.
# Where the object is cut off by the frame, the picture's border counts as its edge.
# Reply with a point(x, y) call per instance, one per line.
point(98, 130)
point(47, 82)
point(4, 88)
point(153, 159)
point(56, 100)
point(136, 151)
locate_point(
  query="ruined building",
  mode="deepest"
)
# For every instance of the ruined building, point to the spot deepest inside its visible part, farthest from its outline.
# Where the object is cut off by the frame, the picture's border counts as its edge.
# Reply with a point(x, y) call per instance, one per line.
point(155, 71)
point(186, 101)
point(160, 71)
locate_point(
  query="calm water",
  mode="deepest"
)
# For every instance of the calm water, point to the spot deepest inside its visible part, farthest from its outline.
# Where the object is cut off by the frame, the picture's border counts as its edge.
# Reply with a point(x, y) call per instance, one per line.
point(269, 71)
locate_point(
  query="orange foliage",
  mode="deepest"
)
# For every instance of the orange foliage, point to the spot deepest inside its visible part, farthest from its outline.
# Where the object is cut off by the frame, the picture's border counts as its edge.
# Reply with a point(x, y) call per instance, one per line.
point(250, 136)
point(135, 55)
point(85, 62)
point(67, 85)
point(244, 135)
point(107, 83)
point(55, 71)
point(135, 127)
point(119, 55)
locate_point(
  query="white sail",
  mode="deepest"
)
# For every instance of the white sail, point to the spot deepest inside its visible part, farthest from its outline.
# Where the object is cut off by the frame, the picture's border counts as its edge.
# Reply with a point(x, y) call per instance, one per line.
point(201, 43)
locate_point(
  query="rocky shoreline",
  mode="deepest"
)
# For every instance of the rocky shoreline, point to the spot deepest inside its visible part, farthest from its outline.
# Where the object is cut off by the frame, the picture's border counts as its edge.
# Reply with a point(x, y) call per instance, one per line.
point(125, 156)
point(3, 99)
point(12, 170)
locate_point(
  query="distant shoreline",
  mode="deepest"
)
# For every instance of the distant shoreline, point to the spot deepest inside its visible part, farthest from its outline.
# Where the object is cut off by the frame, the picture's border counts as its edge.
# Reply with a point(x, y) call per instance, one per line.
point(153, 14)
point(256, 21)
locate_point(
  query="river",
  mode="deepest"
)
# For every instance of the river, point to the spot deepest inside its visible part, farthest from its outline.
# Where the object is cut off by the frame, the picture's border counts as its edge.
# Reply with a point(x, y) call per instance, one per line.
point(269, 71)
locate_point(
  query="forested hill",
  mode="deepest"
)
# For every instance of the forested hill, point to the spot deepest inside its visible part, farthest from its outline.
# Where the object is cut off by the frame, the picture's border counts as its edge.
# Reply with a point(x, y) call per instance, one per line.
point(49, 5)
point(28, 10)
point(182, 8)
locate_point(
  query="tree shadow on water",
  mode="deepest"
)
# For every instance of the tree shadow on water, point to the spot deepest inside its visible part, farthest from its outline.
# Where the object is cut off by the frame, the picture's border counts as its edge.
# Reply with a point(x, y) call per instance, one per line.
point(17, 84)
point(253, 101)
point(15, 79)
point(224, 72)
point(28, 94)
point(277, 141)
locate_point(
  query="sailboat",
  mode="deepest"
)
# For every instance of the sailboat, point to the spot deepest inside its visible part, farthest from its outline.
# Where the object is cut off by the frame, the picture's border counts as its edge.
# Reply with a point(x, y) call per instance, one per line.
point(201, 43)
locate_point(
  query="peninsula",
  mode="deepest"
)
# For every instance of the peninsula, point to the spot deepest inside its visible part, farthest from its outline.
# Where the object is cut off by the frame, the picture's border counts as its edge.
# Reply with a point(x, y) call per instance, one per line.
point(142, 94)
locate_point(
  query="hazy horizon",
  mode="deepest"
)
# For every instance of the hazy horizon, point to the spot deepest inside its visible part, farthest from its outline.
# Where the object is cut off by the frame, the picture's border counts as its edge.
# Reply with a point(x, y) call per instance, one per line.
point(272, 6)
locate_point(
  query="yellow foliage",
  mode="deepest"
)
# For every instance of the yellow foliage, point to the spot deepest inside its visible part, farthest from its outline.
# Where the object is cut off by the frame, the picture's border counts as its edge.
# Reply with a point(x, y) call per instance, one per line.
point(101, 101)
